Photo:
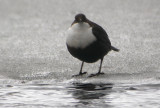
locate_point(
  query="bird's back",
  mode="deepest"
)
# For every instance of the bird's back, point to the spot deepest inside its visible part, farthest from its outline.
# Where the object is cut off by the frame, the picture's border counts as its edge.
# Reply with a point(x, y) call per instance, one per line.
point(100, 35)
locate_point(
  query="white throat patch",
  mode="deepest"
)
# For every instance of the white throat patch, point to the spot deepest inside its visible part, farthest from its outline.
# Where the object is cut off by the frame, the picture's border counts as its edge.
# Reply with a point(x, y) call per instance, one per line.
point(80, 35)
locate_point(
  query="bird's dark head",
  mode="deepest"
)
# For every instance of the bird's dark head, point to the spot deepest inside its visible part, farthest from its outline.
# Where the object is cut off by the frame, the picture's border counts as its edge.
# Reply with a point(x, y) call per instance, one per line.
point(80, 18)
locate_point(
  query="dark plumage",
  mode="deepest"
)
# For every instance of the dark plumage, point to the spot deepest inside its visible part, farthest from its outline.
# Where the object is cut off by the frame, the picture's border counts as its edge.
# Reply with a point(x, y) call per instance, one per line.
point(93, 51)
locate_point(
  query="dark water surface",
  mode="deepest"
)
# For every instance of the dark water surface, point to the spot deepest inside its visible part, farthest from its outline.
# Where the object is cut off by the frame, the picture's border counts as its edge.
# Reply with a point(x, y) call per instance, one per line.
point(44, 95)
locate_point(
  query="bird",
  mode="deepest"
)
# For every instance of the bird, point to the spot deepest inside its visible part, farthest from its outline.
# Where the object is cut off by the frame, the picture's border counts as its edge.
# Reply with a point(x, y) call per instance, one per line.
point(88, 42)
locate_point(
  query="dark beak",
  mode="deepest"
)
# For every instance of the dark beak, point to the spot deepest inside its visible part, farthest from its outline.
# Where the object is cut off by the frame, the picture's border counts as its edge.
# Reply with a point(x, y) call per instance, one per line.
point(80, 20)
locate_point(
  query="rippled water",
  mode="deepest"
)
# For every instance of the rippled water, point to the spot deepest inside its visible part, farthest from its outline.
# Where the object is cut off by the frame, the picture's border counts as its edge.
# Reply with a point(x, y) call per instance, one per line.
point(46, 95)
point(36, 68)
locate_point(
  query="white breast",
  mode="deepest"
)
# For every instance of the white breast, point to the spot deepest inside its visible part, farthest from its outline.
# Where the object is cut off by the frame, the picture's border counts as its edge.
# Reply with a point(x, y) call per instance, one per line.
point(80, 35)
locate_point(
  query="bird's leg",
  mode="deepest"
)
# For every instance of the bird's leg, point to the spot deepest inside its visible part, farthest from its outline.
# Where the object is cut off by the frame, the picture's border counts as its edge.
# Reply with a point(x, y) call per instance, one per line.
point(99, 72)
point(80, 73)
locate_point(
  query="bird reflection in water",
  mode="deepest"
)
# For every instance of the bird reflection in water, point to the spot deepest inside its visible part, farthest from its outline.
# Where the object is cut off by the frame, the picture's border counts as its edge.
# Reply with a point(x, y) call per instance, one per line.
point(88, 92)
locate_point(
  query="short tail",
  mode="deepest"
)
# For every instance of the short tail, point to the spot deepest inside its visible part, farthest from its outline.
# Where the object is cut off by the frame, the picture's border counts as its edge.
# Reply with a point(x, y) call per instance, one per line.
point(114, 49)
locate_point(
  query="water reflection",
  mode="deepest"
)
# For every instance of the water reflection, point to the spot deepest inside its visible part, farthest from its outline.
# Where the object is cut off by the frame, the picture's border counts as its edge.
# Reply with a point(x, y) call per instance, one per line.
point(89, 93)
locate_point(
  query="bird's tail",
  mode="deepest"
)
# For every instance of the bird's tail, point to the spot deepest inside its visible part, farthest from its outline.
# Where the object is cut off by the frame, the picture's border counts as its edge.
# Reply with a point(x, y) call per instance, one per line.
point(114, 49)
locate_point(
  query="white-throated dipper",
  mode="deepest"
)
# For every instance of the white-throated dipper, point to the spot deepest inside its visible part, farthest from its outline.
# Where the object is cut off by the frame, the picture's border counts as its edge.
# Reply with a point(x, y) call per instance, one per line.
point(88, 42)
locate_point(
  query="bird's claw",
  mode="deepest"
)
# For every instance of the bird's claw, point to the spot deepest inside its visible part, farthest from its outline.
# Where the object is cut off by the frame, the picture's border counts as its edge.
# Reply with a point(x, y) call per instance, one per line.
point(97, 74)
point(80, 74)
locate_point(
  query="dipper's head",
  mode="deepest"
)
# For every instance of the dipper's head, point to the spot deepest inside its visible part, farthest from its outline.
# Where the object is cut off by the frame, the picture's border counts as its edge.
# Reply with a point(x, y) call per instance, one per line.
point(80, 18)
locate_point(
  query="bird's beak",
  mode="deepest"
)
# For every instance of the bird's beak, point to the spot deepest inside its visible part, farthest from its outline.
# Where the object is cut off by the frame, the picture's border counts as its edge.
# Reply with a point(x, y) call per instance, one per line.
point(80, 20)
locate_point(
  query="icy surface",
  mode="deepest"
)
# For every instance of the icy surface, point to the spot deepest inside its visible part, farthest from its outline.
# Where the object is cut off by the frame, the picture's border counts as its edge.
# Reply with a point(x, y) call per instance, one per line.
point(36, 68)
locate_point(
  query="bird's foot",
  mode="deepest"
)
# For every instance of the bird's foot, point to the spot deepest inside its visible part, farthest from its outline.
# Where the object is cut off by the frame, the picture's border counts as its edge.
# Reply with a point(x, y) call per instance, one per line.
point(97, 74)
point(80, 74)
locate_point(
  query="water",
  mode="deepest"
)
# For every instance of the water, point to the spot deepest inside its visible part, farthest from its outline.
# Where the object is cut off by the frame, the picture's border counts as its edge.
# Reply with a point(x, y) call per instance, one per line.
point(36, 68)
point(48, 95)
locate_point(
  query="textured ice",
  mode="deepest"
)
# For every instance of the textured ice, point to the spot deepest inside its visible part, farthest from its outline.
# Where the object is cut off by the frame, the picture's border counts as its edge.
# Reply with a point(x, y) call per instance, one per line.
point(33, 36)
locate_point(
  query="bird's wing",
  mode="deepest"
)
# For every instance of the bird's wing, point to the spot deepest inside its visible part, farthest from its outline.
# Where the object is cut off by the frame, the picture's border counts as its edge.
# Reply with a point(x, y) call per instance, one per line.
point(101, 35)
